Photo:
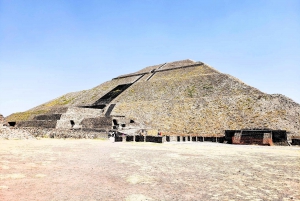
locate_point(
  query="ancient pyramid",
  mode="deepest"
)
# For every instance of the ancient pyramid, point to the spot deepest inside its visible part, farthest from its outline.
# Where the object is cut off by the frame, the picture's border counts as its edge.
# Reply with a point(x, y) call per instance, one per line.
point(177, 98)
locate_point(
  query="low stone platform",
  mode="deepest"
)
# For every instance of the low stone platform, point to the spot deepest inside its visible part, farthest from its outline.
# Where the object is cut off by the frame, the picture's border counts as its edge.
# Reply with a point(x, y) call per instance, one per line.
point(33, 133)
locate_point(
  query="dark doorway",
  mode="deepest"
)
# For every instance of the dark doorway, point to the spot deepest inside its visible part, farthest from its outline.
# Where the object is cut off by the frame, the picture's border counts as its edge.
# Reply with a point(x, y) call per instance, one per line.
point(229, 134)
point(279, 136)
point(129, 138)
point(210, 139)
point(118, 139)
point(72, 123)
point(139, 138)
point(12, 123)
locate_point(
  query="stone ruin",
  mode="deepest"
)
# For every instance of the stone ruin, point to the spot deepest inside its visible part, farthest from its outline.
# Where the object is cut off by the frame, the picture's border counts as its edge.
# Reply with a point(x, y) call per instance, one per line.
point(2, 121)
point(177, 101)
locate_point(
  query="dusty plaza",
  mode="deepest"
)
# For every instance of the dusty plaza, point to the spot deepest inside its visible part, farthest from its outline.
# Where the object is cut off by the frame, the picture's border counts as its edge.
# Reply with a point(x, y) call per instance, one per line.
point(84, 169)
point(152, 100)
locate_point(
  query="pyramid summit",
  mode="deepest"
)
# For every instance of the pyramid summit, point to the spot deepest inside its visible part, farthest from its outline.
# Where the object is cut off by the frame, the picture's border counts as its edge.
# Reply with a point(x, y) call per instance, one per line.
point(181, 98)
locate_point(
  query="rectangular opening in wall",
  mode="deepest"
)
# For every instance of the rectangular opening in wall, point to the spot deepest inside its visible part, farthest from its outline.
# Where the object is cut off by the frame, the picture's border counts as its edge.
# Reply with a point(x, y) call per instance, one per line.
point(220, 139)
point(129, 138)
point(210, 139)
point(279, 136)
point(72, 123)
point(118, 139)
point(296, 141)
point(12, 123)
point(139, 138)
point(229, 134)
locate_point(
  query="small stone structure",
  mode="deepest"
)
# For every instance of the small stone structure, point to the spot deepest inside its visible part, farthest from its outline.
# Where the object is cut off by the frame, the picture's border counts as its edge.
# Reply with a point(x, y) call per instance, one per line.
point(3, 122)
point(256, 136)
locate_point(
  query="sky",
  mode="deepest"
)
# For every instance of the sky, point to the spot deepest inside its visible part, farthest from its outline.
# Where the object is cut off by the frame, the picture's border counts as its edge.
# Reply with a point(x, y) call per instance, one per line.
point(50, 48)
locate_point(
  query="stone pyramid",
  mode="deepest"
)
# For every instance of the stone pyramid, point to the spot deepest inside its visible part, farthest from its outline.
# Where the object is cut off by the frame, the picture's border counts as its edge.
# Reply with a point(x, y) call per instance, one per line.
point(177, 98)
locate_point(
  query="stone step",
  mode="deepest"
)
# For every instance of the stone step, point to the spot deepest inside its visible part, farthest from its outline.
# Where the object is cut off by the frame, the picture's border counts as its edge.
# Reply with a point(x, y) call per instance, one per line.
point(37, 123)
point(88, 111)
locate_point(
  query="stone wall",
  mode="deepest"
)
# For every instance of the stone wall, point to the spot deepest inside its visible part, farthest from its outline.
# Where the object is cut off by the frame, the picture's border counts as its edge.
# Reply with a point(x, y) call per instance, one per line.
point(15, 133)
point(47, 117)
point(57, 110)
point(99, 122)
point(76, 115)
point(33, 133)
point(37, 123)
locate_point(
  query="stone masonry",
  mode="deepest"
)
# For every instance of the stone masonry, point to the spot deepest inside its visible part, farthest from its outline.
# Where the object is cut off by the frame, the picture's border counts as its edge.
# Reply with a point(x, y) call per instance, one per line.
point(182, 98)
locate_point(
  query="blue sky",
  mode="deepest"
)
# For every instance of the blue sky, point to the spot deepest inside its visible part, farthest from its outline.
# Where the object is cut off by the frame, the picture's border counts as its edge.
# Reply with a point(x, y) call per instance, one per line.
point(49, 48)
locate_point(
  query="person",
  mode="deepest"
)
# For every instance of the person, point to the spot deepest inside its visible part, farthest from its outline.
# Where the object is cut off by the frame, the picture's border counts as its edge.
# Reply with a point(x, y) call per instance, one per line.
point(112, 137)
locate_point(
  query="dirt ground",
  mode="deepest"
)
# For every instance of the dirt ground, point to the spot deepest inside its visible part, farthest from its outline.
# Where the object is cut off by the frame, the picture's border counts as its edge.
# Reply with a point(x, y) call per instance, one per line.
point(57, 169)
